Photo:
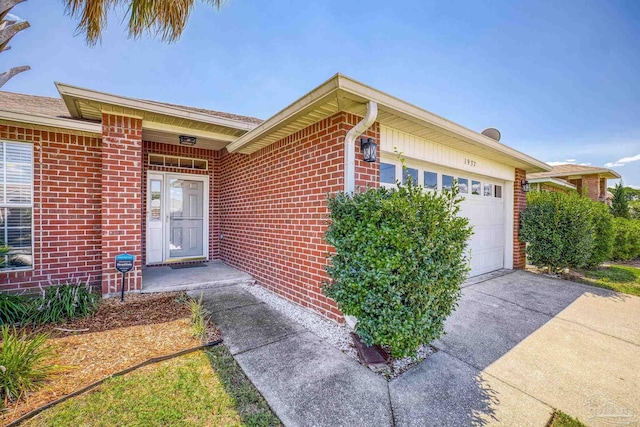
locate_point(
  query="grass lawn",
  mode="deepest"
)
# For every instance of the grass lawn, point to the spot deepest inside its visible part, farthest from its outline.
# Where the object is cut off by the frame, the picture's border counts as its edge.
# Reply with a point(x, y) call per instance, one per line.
point(617, 277)
point(560, 419)
point(185, 391)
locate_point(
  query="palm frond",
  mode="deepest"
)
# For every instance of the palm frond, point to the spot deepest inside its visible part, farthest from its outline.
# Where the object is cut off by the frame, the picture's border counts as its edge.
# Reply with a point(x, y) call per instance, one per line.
point(164, 18)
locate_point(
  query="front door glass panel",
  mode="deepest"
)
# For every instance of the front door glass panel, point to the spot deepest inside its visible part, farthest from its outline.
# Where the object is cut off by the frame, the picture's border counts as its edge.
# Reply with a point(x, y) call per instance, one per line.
point(186, 218)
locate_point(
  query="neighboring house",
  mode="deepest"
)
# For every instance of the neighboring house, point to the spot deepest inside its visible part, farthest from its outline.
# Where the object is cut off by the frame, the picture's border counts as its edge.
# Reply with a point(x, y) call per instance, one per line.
point(588, 180)
point(92, 175)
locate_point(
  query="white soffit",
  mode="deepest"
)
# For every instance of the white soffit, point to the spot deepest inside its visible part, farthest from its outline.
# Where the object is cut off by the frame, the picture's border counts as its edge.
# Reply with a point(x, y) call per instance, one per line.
point(341, 93)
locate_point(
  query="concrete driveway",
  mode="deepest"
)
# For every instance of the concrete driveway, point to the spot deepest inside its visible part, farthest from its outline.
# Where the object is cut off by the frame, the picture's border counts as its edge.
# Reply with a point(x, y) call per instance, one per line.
point(517, 347)
point(522, 344)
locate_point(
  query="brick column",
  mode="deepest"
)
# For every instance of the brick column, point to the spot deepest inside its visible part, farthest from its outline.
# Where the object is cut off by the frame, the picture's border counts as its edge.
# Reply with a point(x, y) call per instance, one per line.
point(121, 199)
point(519, 204)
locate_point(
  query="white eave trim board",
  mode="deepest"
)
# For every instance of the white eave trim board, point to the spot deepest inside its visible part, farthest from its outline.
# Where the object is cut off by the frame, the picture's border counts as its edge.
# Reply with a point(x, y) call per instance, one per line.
point(289, 113)
point(340, 85)
point(179, 130)
point(552, 181)
point(56, 122)
point(72, 92)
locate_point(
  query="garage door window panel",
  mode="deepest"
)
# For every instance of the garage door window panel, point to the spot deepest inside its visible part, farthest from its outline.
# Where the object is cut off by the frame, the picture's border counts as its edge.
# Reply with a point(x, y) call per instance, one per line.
point(447, 182)
point(410, 173)
point(475, 188)
point(430, 180)
point(488, 190)
point(463, 185)
point(387, 173)
point(498, 191)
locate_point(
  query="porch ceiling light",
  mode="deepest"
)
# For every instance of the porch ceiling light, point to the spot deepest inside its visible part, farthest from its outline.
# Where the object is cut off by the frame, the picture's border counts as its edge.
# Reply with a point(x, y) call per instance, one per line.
point(368, 148)
point(525, 185)
point(187, 140)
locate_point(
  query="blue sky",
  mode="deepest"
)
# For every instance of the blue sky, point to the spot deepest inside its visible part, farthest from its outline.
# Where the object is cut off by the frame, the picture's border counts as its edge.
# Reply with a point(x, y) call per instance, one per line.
point(560, 79)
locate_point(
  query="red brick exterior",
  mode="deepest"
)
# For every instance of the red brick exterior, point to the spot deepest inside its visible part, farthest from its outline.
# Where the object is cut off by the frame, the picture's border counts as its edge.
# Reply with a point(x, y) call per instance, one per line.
point(66, 213)
point(591, 186)
point(212, 157)
point(519, 205)
point(267, 217)
point(121, 197)
point(273, 209)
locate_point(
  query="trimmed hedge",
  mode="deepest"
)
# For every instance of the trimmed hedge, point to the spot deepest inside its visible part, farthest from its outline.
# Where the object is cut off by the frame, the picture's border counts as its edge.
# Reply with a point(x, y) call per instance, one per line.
point(566, 230)
point(400, 258)
point(627, 239)
point(559, 229)
point(603, 234)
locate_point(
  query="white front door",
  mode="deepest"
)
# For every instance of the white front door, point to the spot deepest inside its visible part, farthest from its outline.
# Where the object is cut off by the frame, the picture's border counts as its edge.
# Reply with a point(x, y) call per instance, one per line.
point(177, 217)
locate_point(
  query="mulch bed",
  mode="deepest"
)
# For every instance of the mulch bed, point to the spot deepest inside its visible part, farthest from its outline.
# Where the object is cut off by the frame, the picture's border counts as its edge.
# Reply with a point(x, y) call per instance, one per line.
point(118, 336)
point(137, 309)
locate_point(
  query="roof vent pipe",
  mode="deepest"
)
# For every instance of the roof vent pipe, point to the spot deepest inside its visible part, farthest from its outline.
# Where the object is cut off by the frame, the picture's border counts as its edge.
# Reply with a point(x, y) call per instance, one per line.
point(349, 146)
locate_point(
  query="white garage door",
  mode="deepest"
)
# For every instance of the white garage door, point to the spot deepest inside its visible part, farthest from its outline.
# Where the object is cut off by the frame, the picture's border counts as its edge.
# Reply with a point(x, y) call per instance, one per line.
point(483, 205)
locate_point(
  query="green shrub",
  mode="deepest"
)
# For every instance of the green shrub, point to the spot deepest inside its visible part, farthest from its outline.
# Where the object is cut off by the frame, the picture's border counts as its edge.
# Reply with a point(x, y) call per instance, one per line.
point(603, 234)
point(14, 309)
point(559, 229)
point(627, 239)
point(22, 363)
point(399, 261)
point(64, 302)
point(620, 202)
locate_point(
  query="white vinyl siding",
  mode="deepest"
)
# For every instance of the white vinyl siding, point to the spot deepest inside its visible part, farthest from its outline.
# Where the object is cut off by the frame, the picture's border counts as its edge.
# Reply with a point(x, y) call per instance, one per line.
point(16, 205)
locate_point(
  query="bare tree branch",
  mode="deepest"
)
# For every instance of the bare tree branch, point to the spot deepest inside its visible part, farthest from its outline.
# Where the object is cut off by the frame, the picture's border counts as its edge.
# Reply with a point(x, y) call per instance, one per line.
point(9, 31)
point(6, 5)
point(7, 75)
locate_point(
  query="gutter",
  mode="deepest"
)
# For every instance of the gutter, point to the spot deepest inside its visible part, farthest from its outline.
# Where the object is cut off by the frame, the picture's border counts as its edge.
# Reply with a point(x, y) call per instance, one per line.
point(350, 149)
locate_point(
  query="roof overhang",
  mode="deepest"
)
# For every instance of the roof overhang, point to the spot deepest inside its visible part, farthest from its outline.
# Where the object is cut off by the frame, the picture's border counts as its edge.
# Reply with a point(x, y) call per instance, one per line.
point(609, 174)
point(341, 93)
point(54, 124)
point(160, 122)
point(552, 182)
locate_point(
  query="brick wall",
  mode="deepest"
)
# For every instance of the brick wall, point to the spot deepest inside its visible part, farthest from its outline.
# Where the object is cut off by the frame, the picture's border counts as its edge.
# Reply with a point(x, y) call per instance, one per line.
point(66, 214)
point(121, 197)
point(591, 187)
point(214, 185)
point(519, 205)
point(273, 208)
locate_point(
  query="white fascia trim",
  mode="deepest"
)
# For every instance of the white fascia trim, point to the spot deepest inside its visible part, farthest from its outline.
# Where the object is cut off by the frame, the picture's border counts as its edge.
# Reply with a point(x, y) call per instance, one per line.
point(406, 109)
point(319, 94)
point(149, 106)
point(364, 93)
point(553, 182)
point(179, 130)
point(56, 122)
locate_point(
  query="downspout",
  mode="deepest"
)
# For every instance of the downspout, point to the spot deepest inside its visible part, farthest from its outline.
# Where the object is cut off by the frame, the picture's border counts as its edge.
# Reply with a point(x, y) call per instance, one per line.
point(350, 164)
point(350, 149)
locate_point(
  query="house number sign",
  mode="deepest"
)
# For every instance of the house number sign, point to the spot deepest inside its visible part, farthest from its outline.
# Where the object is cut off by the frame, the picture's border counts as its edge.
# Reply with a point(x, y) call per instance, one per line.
point(470, 162)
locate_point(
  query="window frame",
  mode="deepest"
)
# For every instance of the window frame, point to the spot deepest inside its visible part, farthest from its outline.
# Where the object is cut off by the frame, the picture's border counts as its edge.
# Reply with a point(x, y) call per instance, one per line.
point(5, 205)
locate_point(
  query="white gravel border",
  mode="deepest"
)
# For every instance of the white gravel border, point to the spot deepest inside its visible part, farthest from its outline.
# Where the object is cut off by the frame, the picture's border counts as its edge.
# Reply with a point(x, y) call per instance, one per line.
point(335, 334)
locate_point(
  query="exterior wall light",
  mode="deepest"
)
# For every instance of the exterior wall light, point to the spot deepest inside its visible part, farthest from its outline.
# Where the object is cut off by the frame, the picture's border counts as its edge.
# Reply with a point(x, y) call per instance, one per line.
point(187, 140)
point(526, 187)
point(368, 148)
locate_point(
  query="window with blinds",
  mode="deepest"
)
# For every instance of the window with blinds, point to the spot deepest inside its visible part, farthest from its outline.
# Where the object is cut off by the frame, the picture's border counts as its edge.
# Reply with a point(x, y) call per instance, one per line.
point(16, 205)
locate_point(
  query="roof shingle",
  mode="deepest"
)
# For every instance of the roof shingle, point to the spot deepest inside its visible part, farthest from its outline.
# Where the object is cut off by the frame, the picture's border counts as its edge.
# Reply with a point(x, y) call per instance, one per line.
point(571, 169)
point(55, 107)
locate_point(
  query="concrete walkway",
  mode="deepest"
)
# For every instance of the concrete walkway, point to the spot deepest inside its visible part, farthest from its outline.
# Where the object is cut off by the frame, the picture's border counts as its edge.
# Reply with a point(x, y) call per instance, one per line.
point(518, 346)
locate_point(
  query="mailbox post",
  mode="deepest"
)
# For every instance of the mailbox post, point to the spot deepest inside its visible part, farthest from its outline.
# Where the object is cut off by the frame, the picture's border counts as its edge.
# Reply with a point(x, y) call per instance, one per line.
point(124, 264)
